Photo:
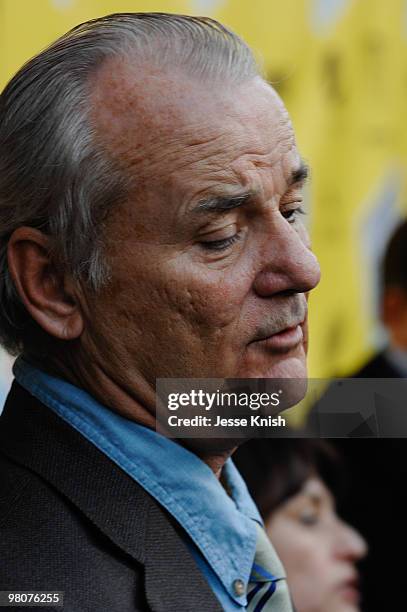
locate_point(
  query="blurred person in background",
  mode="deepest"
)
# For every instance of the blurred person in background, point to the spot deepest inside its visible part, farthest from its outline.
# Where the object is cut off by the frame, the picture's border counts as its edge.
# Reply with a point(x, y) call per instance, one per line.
point(391, 362)
point(292, 482)
point(376, 502)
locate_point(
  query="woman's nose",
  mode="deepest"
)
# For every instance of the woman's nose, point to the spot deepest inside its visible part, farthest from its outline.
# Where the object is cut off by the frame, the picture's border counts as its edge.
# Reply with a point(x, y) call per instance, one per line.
point(350, 543)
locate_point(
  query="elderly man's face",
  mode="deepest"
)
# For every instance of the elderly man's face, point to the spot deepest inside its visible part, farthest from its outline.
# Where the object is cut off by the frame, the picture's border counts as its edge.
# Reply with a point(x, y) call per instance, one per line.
point(210, 259)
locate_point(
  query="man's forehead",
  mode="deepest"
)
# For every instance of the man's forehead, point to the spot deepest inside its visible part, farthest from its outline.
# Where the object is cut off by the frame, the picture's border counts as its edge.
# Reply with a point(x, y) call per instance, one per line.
point(148, 108)
point(121, 89)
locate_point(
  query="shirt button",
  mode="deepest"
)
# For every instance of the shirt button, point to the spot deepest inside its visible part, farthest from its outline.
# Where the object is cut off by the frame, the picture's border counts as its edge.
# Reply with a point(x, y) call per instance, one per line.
point(238, 587)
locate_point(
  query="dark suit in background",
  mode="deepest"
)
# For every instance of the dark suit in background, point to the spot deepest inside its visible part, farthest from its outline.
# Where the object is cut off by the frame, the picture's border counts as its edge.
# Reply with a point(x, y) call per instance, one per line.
point(375, 501)
point(380, 366)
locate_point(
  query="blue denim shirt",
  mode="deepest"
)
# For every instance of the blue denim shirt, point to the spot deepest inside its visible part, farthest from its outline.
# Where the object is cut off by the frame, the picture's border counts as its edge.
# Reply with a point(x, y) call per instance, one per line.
point(221, 528)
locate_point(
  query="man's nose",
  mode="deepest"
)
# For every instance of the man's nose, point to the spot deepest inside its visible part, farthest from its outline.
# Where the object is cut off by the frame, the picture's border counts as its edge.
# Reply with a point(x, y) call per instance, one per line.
point(287, 262)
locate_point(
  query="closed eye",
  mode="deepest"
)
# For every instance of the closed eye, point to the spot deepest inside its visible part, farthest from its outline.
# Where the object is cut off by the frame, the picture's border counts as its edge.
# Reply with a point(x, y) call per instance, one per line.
point(220, 245)
point(293, 214)
point(309, 518)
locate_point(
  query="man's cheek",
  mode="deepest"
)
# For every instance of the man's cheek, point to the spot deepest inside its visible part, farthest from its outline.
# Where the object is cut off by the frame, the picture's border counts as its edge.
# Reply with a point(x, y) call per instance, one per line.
point(211, 307)
point(205, 298)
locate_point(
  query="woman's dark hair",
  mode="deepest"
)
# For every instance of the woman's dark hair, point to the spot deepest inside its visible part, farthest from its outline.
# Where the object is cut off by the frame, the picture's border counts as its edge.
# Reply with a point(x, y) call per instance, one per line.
point(276, 469)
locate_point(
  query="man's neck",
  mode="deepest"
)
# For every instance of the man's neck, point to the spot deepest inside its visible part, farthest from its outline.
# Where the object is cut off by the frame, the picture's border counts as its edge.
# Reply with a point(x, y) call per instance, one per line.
point(215, 460)
point(135, 402)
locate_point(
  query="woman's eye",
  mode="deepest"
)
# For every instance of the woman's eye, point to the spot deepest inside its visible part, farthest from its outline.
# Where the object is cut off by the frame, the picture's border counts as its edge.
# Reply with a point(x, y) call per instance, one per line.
point(293, 214)
point(220, 245)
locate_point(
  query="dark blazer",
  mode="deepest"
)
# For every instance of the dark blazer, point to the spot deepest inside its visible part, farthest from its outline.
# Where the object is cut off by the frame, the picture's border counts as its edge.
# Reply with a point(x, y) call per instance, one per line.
point(378, 367)
point(71, 520)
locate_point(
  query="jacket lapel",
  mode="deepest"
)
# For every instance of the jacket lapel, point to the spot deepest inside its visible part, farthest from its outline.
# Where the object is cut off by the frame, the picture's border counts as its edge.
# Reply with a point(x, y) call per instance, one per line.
point(33, 435)
point(173, 580)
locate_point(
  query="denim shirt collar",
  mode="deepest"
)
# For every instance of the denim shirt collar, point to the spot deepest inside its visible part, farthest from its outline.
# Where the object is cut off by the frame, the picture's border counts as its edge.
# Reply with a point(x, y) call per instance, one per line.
point(221, 527)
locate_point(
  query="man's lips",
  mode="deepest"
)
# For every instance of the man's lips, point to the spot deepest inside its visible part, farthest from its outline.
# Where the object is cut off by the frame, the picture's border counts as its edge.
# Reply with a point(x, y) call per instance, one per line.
point(284, 340)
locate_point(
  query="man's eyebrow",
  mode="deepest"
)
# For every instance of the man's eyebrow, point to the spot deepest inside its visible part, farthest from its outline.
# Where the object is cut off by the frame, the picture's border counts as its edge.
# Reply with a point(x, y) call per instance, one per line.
point(222, 203)
point(299, 175)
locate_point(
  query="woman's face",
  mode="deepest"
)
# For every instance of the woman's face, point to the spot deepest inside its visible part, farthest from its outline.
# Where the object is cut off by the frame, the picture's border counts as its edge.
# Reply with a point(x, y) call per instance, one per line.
point(318, 551)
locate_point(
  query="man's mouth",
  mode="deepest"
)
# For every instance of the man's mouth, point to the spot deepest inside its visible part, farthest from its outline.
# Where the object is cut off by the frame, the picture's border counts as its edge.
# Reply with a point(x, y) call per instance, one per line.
point(284, 340)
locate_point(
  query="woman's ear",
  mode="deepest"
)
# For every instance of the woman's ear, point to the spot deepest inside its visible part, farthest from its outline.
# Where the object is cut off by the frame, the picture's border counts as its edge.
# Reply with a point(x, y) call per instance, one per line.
point(45, 291)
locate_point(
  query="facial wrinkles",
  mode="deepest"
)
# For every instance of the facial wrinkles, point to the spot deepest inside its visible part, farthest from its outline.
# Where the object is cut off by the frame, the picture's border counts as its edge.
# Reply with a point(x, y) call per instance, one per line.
point(169, 131)
point(271, 183)
point(177, 160)
point(189, 302)
point(139, 116)
point(263, 174)
point(285, 312)
point(209, 170)
point(242, 163)
point(186, 171)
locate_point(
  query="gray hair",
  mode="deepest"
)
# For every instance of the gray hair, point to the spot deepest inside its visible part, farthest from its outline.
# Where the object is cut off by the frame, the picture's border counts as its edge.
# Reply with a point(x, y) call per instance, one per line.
point(53, 176)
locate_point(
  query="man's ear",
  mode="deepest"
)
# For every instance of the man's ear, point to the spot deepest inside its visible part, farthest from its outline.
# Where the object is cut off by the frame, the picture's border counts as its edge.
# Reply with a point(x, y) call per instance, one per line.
point(45, 291)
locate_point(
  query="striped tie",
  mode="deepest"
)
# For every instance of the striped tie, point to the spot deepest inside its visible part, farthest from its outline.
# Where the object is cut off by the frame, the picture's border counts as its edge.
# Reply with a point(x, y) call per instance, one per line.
point(267, 589)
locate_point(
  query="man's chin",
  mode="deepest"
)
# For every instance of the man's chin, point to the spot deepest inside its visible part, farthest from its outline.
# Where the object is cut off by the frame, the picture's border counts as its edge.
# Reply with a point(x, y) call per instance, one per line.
point(289, 365)
point(287, 372)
